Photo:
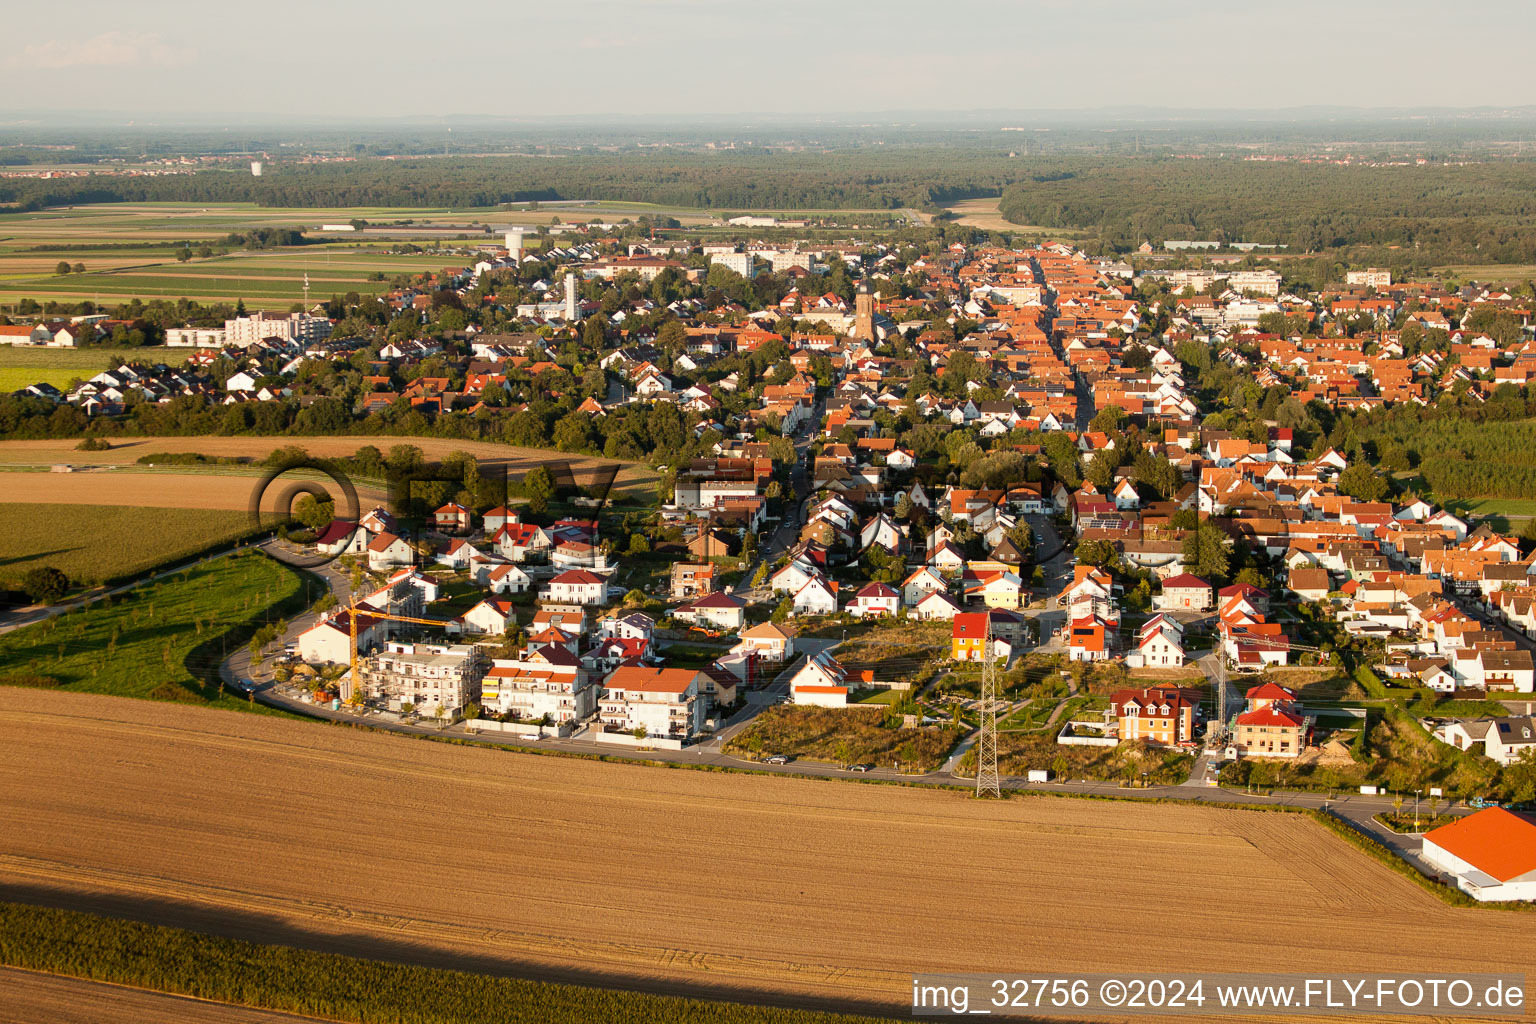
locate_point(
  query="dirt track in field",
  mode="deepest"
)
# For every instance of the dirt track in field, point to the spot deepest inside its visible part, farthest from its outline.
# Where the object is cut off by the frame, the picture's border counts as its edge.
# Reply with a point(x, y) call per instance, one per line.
point(826, 892)
point(127, 451)
point(31, 998)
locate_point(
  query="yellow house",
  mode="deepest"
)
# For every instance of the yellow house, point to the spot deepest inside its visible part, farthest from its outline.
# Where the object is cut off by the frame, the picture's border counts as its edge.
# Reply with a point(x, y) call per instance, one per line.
point(998, 590)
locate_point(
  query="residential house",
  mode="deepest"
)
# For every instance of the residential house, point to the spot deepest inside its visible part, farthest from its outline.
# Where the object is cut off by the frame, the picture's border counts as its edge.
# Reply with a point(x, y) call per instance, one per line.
point(1499, 739)
point(1185, 592)
point(452, 518)
point(1160, 715)
point(817, 597)
point(769, 641)
point(921, 583)
point(1274, 724)
point(937, 605)
point(875, 599)
point(387, 551)
point(1159, 644)
point(491, 616)
point(722, 611)
point(651, 704)
point(578, 586)
point(822, 681)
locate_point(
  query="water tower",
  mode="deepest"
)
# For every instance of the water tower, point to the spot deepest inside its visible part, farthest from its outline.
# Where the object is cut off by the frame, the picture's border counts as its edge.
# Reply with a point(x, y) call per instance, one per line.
point(515, 243)
point(255, 168)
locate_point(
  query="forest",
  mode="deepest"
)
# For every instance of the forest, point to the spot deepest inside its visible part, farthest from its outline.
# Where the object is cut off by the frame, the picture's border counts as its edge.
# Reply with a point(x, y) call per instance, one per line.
point(1473, 212)
point(1483, 213)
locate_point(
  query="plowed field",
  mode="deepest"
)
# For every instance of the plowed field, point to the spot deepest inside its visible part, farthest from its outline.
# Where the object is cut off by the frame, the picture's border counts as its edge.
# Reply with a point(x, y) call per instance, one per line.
point(808, 890)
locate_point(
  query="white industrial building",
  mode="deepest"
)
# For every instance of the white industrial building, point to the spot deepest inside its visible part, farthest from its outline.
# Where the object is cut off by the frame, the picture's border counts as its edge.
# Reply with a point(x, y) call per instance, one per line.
point(1491, 855)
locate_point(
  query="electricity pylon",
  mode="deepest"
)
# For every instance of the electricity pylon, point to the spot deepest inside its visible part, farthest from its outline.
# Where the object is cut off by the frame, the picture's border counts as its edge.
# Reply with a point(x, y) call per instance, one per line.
point(987, 783)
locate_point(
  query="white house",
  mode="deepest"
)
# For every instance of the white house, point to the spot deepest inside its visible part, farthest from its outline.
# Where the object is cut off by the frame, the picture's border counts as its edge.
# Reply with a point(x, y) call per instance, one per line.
point(578, 586)
point(875, 599)
point(817, 597)
point(769, 640)
point(538, 684)
point(508, 579)
point(661, 705)
point(921, 583)
point(1500, 739)
point(627, 626)
point(387, 551)
point(1159, 644)
point(793, 576)
point(938, 605)
point(821, 681)
point(723, 611)
point(492, 616)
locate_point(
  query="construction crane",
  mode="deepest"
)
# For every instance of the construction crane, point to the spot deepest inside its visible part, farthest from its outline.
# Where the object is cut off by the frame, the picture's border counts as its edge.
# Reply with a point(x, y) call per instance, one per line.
point(350, 686)
point(1220, 679)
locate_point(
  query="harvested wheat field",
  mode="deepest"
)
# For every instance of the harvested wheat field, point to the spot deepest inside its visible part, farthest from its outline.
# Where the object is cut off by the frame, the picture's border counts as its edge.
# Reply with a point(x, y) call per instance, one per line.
point(126, 451)
point(179, 490)
point(32, 998)
point(785, 889)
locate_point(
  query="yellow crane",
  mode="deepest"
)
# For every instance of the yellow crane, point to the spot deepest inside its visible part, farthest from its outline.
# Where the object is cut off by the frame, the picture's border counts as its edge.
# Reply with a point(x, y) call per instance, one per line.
point(352, 612)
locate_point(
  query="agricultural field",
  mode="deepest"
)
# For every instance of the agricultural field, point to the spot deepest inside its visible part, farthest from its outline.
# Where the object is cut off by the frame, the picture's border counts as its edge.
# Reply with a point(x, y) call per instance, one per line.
point(30, 997)
point(1508, 514)
point(162, 640)
point(32, 244)
point(984, 214)
point(92, 543)
point(633, 476)
point(59, 366)
point(842, 736)
point(263, 280)
point(162, 812)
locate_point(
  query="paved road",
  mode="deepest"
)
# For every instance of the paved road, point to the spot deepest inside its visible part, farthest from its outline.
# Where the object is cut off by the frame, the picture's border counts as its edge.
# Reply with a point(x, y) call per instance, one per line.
point(1355, 809)
point(796, 505)
point(238, 665)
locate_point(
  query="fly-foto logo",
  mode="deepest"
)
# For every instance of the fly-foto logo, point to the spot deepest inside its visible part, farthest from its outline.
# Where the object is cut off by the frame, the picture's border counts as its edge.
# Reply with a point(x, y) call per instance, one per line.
point(425, 505)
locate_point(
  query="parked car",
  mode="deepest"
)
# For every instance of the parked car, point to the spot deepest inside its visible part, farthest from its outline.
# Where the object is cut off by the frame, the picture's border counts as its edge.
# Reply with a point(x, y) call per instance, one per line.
point(777, 759)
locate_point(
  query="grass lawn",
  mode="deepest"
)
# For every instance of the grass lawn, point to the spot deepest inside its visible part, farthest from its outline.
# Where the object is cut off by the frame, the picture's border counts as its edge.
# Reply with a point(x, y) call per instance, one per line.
point(95, 543)
point(842, 735)
point(161, 641)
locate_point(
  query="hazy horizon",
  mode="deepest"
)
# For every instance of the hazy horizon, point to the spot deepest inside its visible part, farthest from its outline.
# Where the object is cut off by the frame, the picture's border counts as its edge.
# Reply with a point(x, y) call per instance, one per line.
point(681, 60)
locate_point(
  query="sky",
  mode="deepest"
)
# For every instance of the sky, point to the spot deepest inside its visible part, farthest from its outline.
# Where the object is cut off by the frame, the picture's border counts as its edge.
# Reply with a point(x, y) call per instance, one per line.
point(668, 59)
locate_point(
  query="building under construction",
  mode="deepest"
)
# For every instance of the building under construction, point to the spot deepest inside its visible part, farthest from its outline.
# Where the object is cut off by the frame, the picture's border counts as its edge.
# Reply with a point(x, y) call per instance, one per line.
point(425, 676)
